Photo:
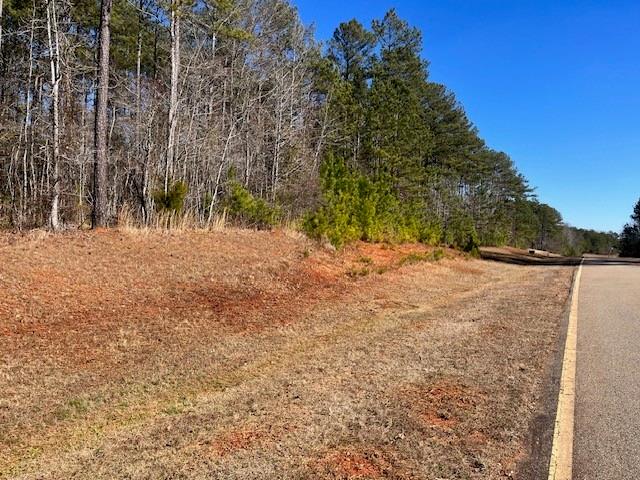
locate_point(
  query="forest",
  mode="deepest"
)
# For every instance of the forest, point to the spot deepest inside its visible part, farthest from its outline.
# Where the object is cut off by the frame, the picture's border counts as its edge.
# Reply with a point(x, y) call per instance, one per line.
point(158, 111)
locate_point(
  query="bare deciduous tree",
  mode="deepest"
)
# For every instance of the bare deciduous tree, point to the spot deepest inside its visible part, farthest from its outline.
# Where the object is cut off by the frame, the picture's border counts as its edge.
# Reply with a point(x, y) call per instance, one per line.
point(54, 61)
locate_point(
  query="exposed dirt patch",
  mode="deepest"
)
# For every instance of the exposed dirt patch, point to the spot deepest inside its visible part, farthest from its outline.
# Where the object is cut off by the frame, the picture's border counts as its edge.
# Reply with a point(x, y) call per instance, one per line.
point(356, 466)
point(349, 465)
point(444, 404)
point(238, 440)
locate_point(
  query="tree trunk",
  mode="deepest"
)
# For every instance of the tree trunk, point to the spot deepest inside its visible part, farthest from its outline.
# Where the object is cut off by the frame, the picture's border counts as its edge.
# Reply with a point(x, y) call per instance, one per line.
point(173, 100)
point(1, 30)
point(99, 216)
point(27, 117)
point(138, 80)
point(138, 134)
point(54, 63)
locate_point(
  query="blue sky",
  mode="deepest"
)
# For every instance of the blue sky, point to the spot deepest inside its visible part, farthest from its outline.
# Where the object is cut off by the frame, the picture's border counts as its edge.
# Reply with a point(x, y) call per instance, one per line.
point(555, 84)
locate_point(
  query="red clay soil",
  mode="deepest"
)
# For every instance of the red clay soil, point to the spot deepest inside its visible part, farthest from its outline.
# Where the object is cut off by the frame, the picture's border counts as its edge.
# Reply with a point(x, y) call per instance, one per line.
point(440, 405)
point(348, 465)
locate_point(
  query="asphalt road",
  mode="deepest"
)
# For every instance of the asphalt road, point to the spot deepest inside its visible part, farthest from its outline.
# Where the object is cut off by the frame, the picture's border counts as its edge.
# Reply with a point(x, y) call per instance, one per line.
point(607, 408)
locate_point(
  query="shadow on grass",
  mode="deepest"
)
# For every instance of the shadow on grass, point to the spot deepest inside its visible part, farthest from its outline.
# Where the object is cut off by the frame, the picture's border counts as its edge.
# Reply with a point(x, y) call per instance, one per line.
point(525, 259)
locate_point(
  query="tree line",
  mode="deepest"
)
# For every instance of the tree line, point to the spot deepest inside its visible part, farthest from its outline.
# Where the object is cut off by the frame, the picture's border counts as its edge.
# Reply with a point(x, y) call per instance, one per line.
point(630, 237)
point(212, 106)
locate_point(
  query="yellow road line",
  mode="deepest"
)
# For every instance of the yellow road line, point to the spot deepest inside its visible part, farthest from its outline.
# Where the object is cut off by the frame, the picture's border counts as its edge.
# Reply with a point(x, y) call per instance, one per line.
point(561, 463)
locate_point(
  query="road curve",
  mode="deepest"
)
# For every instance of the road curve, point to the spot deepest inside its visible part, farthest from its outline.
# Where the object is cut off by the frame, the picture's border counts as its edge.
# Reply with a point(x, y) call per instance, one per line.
point(607, 402)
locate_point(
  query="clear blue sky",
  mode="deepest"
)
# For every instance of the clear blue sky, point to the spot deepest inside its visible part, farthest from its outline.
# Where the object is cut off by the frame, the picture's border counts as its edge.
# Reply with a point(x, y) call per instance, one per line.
point(555, 84)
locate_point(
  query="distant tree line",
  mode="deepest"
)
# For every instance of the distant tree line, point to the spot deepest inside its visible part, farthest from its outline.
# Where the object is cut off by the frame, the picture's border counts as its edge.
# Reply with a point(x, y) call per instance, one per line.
point(630, 237)
point(232, 106)
point(576, 241)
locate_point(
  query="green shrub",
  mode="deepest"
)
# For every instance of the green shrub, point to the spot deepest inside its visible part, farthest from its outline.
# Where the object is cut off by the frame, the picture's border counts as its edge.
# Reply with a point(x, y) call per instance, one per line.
point(461, 233)
point(438, 254)
point(173, 199)
point(338, 220)
point(248, 210)
point(416, 257)
point(496, 237)
point(356, 207)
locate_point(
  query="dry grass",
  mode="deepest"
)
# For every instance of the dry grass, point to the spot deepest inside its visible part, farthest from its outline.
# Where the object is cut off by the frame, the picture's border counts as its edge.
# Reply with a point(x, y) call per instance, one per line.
point(173, 222)
point(241, 355)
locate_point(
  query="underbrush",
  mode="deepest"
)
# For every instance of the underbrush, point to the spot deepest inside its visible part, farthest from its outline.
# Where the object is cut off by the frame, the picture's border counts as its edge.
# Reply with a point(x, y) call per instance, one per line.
point(354, 207)
point(415, 257)
point(239, 208)
point(250, 211)
point(358, 207)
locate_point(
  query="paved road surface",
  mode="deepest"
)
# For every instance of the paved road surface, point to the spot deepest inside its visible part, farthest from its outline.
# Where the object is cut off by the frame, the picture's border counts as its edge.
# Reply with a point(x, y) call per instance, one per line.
point(607, 408)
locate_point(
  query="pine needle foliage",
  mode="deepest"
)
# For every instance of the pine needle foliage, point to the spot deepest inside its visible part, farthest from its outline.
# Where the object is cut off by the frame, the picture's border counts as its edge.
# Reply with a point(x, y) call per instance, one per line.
point(173, 199)
point(357, 207)
point(247, 210)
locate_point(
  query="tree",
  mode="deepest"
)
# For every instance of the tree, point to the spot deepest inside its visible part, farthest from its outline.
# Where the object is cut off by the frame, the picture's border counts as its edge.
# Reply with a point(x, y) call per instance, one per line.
point(398, 137)
point(525, 224)
point(550, 225)
point(351, 48)
point(351, 51)
point(1, 5)
point(630, 237)
point(99, 217)
point(173, 97)
point(636, 213)
point(54, 64)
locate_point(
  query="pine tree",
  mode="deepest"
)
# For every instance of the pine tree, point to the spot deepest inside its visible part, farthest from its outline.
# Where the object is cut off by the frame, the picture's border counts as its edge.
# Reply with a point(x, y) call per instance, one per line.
point(99, 217)
point(350, 50)
point(630, 237)
point(398, 137)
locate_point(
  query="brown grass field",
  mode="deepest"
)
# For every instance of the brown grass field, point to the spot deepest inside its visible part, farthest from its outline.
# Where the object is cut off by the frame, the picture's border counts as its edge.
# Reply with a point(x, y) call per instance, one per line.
point(256, 355)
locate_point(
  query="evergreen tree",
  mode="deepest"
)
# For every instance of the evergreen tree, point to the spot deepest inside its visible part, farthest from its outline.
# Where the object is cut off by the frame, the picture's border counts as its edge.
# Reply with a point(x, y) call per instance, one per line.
point(550, 225)
point(398, 137)
point(456, 142)
point(630, 237)
point(351, 49)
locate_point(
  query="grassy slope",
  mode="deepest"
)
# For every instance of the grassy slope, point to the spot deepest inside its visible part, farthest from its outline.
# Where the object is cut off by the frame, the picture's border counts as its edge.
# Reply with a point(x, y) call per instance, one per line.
point(256, 355)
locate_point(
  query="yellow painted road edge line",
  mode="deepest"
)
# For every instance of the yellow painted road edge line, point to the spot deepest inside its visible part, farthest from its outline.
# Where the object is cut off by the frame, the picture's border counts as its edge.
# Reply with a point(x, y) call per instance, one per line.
point(561, 463)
